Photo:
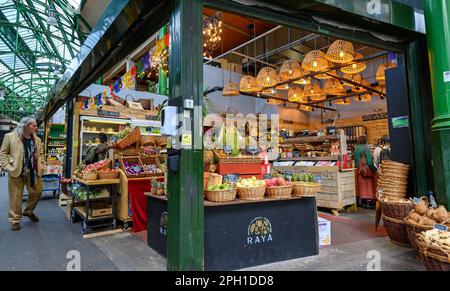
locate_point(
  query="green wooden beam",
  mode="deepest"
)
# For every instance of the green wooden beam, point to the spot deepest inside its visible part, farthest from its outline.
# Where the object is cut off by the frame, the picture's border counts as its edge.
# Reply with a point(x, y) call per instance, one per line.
point(185, 188)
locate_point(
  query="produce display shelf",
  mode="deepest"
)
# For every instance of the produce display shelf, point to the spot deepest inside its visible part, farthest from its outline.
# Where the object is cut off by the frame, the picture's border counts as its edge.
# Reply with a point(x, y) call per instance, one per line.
point(97, 182)
point(84, 131)
point(82, 212)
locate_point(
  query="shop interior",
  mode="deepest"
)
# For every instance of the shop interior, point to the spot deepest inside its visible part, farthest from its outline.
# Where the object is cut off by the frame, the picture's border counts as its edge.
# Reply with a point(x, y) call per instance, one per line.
point(327, 92)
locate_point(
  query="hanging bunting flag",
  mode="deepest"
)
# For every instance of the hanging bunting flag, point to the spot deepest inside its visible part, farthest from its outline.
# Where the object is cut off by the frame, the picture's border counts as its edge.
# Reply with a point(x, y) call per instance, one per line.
point(105, 95)
point(139, 70)
point(127, 80)
point(146, 61)
point(133, 71)
point(117, 85)
point(92, 103)
point(166, 38)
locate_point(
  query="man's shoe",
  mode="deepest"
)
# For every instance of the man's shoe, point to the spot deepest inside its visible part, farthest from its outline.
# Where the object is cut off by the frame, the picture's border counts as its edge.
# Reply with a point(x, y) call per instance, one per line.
point(32, 217)
point(15, 226)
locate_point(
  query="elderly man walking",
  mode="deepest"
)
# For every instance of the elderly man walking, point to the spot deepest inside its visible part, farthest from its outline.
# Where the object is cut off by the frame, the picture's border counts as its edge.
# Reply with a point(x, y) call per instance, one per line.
point(21, 156)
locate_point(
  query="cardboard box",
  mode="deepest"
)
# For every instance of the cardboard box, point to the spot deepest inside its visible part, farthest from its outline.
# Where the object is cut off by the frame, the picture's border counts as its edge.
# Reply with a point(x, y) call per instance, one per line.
point(324, 232)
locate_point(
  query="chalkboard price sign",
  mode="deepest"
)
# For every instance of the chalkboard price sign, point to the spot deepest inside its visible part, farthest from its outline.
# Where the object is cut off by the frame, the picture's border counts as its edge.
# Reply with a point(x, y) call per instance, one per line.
point(108, 113)
point(267, 176)
point(231, 178)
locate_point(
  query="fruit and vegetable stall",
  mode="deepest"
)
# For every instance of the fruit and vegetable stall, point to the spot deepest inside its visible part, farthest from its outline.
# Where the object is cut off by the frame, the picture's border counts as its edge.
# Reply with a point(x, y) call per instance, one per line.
point(248, 221)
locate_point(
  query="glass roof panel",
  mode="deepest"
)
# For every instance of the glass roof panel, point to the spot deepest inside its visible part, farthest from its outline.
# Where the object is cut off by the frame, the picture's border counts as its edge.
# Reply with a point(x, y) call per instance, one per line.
point(31, 50)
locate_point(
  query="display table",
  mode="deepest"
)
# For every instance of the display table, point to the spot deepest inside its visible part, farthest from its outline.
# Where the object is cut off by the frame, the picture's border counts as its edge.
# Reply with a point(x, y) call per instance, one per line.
point(242, 234)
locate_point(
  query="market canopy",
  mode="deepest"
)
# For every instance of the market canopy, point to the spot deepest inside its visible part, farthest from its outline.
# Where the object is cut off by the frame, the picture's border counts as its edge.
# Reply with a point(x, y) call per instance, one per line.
point(35, 50)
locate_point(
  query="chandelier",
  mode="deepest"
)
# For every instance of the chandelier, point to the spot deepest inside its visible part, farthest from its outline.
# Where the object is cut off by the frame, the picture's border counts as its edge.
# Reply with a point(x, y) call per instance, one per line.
point(212, 34)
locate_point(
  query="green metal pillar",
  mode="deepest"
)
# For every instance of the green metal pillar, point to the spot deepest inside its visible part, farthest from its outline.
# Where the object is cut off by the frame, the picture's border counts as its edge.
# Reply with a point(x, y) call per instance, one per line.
point(185, 187)
point(437, 18)
point(162, 74)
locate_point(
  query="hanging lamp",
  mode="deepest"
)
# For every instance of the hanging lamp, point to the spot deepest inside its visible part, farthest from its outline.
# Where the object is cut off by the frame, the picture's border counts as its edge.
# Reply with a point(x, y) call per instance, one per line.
point(230, 89)
point(280, 79)
point(291, 69)
point(295, 94)
point(326, 76)
point(248, 84)
point(314, 92)
point(334, 87)
point(340, 52)
point(358, 89)
point(315, 61)
point(363, 98)
point(302, 80)
point(355, 78)
point(343, 101)
point(267, 77)
point(356, 67)
point(381, 76)
point(305, 108)
point(381, 89)
point(272, 101)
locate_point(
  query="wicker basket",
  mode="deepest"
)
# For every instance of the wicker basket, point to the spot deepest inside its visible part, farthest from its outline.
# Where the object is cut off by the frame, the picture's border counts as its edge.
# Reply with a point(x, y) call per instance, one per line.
point(253, 193)
point(434, 258)
point(413, 229)
point(279, 192)
point(396, 210)
point(305, 190)
point(90, 177)
point(394, 164)
point(396, 230)
point(146, 140)
point(108, 175)
point(130, 139)
point(221, 195)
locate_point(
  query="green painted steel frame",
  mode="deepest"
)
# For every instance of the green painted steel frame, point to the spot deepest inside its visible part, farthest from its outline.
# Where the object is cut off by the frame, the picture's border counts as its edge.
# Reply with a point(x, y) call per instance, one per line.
point(185, 188)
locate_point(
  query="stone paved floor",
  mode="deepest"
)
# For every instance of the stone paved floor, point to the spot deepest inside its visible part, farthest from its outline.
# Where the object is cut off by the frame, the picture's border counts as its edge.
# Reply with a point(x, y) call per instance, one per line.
point(44, 246)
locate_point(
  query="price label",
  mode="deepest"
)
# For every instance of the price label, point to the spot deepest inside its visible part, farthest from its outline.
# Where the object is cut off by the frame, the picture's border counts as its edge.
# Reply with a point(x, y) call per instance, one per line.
point(186, 139)
point(440, 227)
point(252, 149)
point(433, 202)
point(231, 178)
point(228, 150)
point(267, 176)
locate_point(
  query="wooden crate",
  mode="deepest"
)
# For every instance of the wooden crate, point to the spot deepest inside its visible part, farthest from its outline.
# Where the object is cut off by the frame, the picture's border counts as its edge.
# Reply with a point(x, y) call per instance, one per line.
point(100, 209)
point(338, 188)
point(131, 159)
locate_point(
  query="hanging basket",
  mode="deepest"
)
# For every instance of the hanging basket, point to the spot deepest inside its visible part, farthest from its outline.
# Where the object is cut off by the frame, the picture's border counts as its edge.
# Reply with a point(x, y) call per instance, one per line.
point(341, 52)
point(343, 101)
point(359, 89)
point(231, 89)
point(306, 108)
point(291, 69)
point(381, 76)
point(315, 61)
point(267, 77)
point(280, 79)
point(363, 98)
point(355, 68)
point(357, 78)
point(295, 94)
point(334, 87)
point(248, 84)
point(312, 91)
point(326, 76)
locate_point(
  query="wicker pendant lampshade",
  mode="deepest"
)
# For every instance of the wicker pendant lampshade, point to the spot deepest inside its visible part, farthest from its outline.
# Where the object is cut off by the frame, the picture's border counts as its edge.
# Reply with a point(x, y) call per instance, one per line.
point(326, 76)
point(231, 89)
point(306, 108)
point(271, 92)
point(274, 101)
point(343, 101)
point(381, 89)
point(280, 79)
point(248, 84)
point(363, 98)
point(314, 92)
point(295, 94)
point(359, 89)
point(356, 67)
point(291, 69)
point(267, 77)
point(315, 61)
point(355, 78)
point(334, 87)
point(381, 77)
point(341, 52)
